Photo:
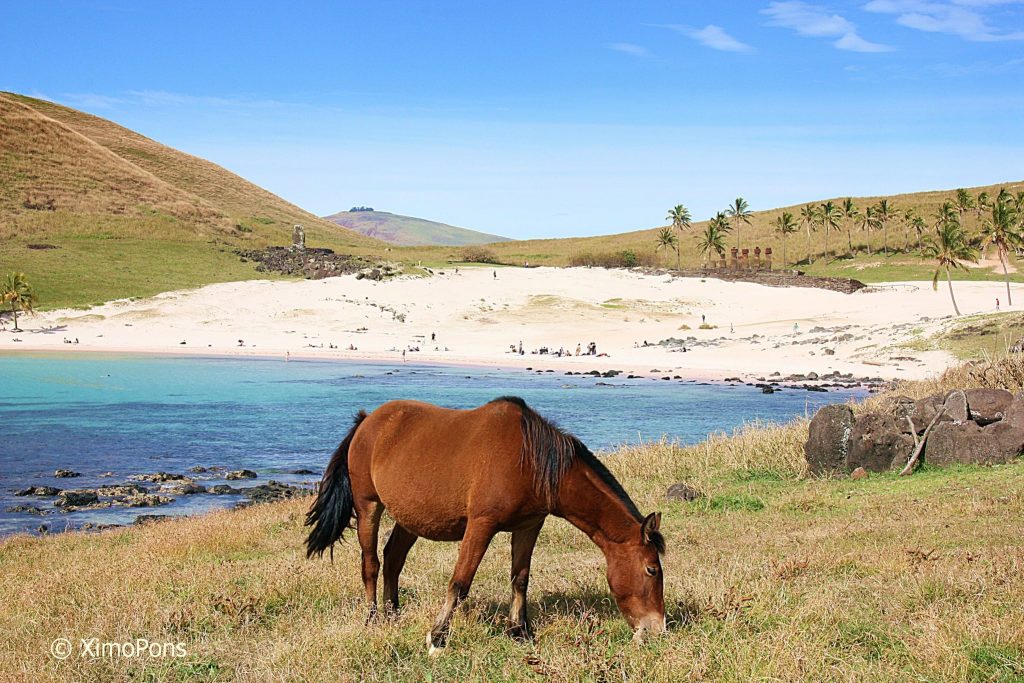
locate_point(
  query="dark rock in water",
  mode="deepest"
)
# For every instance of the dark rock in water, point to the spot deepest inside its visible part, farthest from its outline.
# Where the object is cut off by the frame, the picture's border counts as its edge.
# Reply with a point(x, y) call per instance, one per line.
point(76, 499)
point(122, 490)
point(186, 489)
point(149, 519)
point(810, 387)
point(956, 406)
point(878, 444)
point(38, 491)
point(222, 489)
point(274, 490)
point(198, 469)
point(303, 470)
point(160, 477)
point(969, 444)
point(29, 509)
point(66, 474)
point(828, 442)
point(145, 501)
point(988, 405)
point(241, 474)
point(682, 491)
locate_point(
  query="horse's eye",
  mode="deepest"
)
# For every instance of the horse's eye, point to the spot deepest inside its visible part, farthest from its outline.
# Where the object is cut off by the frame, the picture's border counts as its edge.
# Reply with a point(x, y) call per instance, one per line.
point(652, 571)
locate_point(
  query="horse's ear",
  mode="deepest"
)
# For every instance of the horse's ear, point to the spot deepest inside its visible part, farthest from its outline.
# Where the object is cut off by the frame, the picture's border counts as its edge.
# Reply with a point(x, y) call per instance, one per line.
point(651, 525)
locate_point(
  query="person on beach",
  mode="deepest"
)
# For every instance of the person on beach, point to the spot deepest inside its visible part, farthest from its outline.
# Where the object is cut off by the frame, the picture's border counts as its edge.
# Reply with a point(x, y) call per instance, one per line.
point(403, 355)
point(578, 348)
point(997, 304)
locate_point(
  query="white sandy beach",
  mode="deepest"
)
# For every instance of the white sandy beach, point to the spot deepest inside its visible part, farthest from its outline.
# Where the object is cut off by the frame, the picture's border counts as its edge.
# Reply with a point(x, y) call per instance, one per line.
point(477, 317)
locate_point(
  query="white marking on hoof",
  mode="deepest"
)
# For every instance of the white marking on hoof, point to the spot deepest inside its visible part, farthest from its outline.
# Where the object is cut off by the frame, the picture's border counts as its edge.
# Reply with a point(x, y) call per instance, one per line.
point(434, 651)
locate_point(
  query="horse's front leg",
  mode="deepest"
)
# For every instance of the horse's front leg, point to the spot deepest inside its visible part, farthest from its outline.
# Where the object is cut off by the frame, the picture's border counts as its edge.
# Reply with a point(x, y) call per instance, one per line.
point(474, 544)
point(523, 543)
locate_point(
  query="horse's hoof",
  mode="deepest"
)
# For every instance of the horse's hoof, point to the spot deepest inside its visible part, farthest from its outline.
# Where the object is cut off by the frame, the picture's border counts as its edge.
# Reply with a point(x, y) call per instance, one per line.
point(520, 634)
point(432, 649)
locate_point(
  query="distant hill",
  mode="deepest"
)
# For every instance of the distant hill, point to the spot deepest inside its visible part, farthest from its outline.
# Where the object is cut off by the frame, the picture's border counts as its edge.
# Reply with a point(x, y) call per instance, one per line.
point(129, 216)
point(407, 231)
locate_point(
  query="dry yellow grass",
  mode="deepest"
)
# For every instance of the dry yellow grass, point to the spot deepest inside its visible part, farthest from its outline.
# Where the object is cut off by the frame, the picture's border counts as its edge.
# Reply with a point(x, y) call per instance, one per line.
point(770, 576)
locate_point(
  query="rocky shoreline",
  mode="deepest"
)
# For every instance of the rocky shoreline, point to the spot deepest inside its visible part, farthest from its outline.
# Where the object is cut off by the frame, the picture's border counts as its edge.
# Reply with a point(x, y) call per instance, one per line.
point(152, 490)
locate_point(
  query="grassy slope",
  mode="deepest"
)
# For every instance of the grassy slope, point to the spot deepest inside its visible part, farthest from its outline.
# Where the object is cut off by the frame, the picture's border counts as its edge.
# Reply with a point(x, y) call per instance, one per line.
point(408, 231)
point(132, 216)
point(760, 233)
point(771, 577)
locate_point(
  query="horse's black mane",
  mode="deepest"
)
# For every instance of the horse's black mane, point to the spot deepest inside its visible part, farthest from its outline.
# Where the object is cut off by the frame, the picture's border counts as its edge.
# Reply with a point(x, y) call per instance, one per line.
point(552, 451)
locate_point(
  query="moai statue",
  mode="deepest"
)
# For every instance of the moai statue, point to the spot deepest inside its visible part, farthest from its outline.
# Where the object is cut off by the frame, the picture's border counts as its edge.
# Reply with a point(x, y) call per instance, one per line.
point(745, 259)
point(734, 258)
point(768, 258)
point(299, 238)
point(757, 258)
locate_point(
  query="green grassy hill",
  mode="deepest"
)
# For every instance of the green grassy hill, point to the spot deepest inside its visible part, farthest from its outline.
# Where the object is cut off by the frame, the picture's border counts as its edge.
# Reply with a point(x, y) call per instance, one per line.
point(131, 217)
point(127, 215)
point(408, 231)
point(759, 233)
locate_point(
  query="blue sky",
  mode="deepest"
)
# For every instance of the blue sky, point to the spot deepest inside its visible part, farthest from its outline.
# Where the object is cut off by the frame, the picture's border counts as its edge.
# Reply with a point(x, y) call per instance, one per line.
point(548, 118)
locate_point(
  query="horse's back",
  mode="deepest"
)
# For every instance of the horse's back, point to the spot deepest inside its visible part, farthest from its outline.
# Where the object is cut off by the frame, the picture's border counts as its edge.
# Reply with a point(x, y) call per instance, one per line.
point(435, 467)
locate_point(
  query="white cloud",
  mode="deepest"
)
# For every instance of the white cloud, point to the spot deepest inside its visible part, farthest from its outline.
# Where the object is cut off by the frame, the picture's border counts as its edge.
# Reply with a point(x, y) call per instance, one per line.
point(631, 49)
point(957, 17)
point(91, 100)
point(816, 21)
point(711, 36)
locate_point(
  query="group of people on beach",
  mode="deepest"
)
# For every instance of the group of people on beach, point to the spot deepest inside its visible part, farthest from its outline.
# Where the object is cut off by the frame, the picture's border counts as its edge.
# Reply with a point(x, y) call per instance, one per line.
point(562, 351)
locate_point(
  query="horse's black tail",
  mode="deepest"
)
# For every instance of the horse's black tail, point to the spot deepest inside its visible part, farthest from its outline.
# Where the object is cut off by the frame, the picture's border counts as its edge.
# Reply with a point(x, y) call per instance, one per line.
point(331, 512)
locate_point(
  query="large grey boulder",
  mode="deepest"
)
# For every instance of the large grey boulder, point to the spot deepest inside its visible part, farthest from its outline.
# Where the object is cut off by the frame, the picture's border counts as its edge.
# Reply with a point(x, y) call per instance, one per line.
point(878, 444)
point(956, 406)
point(829, 439)
point(969, 444)
point(988, 405)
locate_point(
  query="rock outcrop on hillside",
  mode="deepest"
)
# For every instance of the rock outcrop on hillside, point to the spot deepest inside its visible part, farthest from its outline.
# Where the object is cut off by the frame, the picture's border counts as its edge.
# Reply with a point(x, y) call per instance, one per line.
point(971, 426)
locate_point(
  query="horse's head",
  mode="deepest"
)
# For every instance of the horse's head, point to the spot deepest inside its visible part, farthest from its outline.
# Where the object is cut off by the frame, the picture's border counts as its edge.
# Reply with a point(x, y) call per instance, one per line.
point(635, 578)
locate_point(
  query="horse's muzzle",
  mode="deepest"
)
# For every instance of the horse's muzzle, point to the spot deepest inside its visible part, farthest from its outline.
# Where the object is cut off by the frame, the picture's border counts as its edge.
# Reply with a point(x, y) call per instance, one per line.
point(649, 624)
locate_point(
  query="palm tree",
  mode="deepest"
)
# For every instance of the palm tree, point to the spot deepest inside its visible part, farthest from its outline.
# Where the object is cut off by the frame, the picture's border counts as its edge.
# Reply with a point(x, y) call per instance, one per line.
point(667, 240)
point(963, 203)
point(17, 292)
point(828, 217)
point(739, 211)
point(713, 237)
point(919, 226)
point(680, 217)
point(785, 225)
point(950, 249)
point(867, 223)
point(907, 219)
point(884, 213)
point(1002, 232)
point(982, 205)
point(809, 217)
point(850, 213)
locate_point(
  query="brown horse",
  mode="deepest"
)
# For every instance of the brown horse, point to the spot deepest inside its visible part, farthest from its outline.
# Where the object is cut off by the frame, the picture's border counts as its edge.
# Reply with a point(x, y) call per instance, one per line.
point(450, 475)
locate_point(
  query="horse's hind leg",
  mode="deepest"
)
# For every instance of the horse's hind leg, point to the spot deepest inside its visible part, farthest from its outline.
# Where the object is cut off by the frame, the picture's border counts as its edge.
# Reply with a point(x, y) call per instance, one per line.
point(395, 551)
point(474, 544)
point(523, 543)
point(367, 524)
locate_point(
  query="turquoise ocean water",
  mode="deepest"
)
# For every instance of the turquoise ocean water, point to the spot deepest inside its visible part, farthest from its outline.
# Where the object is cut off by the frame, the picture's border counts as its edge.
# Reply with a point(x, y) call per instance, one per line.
point(134, 414)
